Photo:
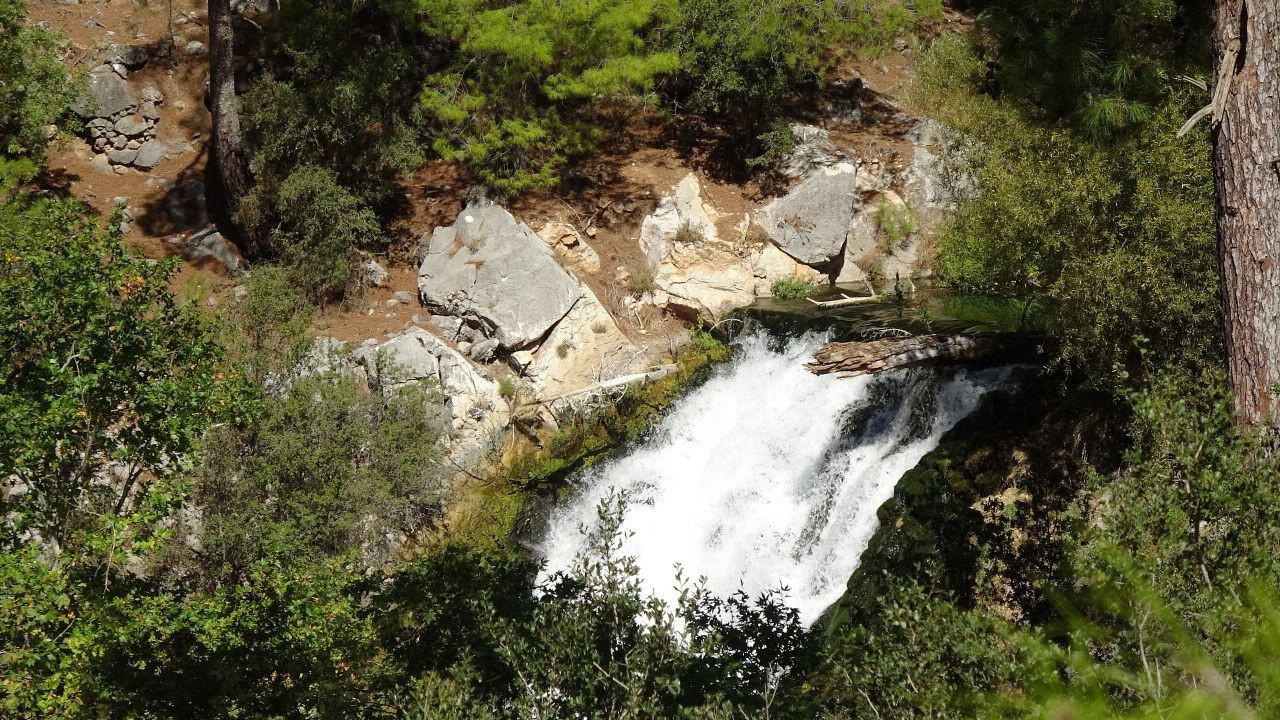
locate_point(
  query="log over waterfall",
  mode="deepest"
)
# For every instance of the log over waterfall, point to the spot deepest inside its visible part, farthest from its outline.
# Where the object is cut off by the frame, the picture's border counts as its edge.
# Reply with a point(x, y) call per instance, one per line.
point(873, 356)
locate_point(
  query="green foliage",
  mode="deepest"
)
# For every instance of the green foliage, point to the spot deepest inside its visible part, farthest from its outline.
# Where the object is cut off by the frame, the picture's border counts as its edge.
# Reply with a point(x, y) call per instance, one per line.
point(266, 331)
point(320, 226)
point(1105, 65)
point(326, 471)
point(743, 56)
point(794, 289)
point(507, 388)
point(520, 97)
point(917, 656)
point(100, 367)
point(1114, 236)
point(329, 130)
point(35, 93)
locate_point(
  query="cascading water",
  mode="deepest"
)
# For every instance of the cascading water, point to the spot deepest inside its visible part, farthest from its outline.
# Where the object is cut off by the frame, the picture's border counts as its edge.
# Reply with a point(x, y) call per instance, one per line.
point(768, 476)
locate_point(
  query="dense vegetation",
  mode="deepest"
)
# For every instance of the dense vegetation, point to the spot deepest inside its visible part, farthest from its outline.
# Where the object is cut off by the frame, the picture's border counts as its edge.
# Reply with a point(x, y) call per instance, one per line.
point(205, 518)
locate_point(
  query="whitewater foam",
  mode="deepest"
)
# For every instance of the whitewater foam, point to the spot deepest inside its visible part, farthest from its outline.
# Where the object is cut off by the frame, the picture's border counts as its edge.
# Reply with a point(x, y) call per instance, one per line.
point(767, 476)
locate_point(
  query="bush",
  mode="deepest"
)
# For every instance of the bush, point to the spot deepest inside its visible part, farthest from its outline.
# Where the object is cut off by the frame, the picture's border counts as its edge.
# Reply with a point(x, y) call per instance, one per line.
point(101, 358)
point(321, 225)
point(35, 93)
point(328, 471)
point(794, 289)
point(1115, 235)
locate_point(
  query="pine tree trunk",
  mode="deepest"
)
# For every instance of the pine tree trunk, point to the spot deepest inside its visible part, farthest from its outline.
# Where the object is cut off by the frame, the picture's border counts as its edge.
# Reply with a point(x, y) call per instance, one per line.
point(1246, 169)
point(228, 152)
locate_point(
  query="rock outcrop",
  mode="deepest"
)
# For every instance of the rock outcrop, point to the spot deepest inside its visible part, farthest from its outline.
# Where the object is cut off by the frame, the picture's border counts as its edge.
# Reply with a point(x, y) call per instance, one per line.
point(695, 272)
point(477, 413)
point(585, 348)
point(496, 275)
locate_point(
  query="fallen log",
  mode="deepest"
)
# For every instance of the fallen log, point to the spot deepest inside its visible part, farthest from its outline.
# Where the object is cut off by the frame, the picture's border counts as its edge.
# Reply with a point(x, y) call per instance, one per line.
point(873, 356)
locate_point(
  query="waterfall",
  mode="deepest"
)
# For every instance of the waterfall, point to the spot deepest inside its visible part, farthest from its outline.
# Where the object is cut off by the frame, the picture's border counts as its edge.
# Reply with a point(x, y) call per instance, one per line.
point(768, 476)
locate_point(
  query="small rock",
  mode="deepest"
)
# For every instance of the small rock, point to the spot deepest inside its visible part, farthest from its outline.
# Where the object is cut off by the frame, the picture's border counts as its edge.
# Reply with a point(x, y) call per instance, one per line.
point(119, 142)
point(133, 145)
point(209, 245)
point(483, 350)
point(403, 297)
point(132, 57)
point(131, 126)
point(240, 292)
point(195, 47)
point(149, 155)
point(148, 111)
point(150, 94)
point(120, 169)
point(122, 157)
point(102, 164)
point(372, 273)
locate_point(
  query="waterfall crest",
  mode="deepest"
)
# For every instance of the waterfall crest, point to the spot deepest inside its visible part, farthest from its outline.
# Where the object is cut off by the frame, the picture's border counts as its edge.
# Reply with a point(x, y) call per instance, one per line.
point(768, 476)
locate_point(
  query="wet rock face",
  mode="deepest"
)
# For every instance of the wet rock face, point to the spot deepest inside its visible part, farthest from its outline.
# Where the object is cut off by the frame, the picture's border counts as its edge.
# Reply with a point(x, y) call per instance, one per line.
point(496, 275)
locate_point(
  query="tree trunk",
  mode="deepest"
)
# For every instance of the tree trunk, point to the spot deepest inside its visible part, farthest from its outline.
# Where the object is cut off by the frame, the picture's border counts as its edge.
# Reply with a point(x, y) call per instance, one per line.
point(1246, 170)
point(873, 356)
point(228, 151)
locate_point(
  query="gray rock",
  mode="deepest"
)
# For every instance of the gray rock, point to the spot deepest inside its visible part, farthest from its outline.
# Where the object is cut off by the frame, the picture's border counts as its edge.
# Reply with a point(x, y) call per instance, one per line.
point(119, 142)
point(809, 223)
point(132, 57)
point(148, 111)
point(372, 273)
point(495, 273)
point(195, 47)
point(208, 245)
point(102, 164)
point(106, 96)
point(483, 351)
point(403, 297)
point(122, 157)
point(131, 126)
point(151, 94)
point(149, 155)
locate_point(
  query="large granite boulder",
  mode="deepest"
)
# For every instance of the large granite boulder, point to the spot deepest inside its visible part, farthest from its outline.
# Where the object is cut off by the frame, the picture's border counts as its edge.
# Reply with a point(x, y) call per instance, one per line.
point(809, 223)
point(584, 349)
point(496, 275)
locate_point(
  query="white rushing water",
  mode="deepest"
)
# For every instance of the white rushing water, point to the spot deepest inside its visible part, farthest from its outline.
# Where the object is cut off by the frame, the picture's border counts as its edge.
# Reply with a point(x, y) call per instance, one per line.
point(768, 476)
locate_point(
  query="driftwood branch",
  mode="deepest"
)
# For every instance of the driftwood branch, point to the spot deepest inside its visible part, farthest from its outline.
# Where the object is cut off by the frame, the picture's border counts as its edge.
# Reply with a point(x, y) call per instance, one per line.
point(873, 356)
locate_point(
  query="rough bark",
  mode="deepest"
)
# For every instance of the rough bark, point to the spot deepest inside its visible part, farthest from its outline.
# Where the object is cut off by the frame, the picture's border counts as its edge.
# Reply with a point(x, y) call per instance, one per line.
point(1246, 169)
point(873, 356)
point(228, 145)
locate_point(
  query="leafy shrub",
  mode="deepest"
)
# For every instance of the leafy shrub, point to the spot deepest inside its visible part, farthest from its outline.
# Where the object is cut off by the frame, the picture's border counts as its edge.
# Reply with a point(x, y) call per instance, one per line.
point(321, 224)
point(329, 129)
point(327, 471)
point(35, 94)
point(98, 356)
point(265, 332)
point(793, 289)
point(507, 388)
point(1115, 235)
